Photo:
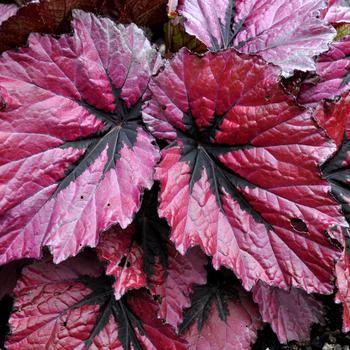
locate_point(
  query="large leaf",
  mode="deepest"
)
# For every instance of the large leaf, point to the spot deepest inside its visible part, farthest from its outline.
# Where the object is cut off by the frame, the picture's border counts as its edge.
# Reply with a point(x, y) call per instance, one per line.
point(75, 156)
point(221, 319)
point(241, 176)
point(333, 68)
point(290, 313)
point(68, 306)
point(6, 11)
point(288, 34)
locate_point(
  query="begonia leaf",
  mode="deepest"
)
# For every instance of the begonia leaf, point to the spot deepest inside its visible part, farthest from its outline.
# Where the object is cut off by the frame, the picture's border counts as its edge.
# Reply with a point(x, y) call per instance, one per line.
point(70, 306)
point(290, 313)
point(241, 175)
point(288, 34)
point(75, 156)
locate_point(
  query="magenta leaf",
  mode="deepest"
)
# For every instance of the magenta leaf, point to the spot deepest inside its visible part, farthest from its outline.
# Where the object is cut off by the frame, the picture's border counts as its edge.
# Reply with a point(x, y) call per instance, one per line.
point(221, 317)
point(290, 313)
point(7, 11)
point(175, 284)
point(124, 257)
point(69, 305)
point(333, 68)
point(241, 174)
point(172, 283)
point(288, 34)
point(337, 11)
point(83, 158)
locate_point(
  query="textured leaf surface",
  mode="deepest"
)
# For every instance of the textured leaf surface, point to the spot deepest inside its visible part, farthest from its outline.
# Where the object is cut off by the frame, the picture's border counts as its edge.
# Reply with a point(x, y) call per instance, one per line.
point(333, 68)
point(6, 11)
point(290, 313)
point(125, 259)
point(343, 286)
point(238, 331)
point(59, 304)
point(173, 284)
point(82, 159)
point(43, 297)
point(337, 11)
point(44, 16)
point(241, 176)
point(288, 34)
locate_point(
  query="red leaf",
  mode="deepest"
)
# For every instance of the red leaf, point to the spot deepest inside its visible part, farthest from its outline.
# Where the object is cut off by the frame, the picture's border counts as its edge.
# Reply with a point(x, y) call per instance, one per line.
point(82, 156)
point(337, 11)
point(125, 259)
point(288, 34)
point(50, 300)
point(6, 11)
point(333, 69)
point(174, 285)
point(237, 332)
point(291, 314)
point(242, 170)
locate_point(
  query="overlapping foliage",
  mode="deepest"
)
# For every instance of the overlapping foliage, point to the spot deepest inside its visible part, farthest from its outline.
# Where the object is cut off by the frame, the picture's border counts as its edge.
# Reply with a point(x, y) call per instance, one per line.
point(176, 187)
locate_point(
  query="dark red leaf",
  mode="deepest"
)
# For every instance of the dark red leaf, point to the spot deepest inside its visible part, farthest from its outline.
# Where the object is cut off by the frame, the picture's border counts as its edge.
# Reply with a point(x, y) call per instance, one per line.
point(82, 156)
point(44, 16)
point(149, 13)
point(333, 68)
point(291, 314)
point(242, 166)
point(335, 119)
point(288, 34)
point(9, 274)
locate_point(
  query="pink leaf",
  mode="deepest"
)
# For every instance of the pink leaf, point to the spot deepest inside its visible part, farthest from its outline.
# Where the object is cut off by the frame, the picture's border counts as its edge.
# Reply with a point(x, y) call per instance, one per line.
point(175, 286)
point(288, 34)
point(291, 314)
point(337, 11)
point(125, 259)
point(241, 177)
point(237, 332)
point(6, 11)
point(82, 155)
point(333, 68)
